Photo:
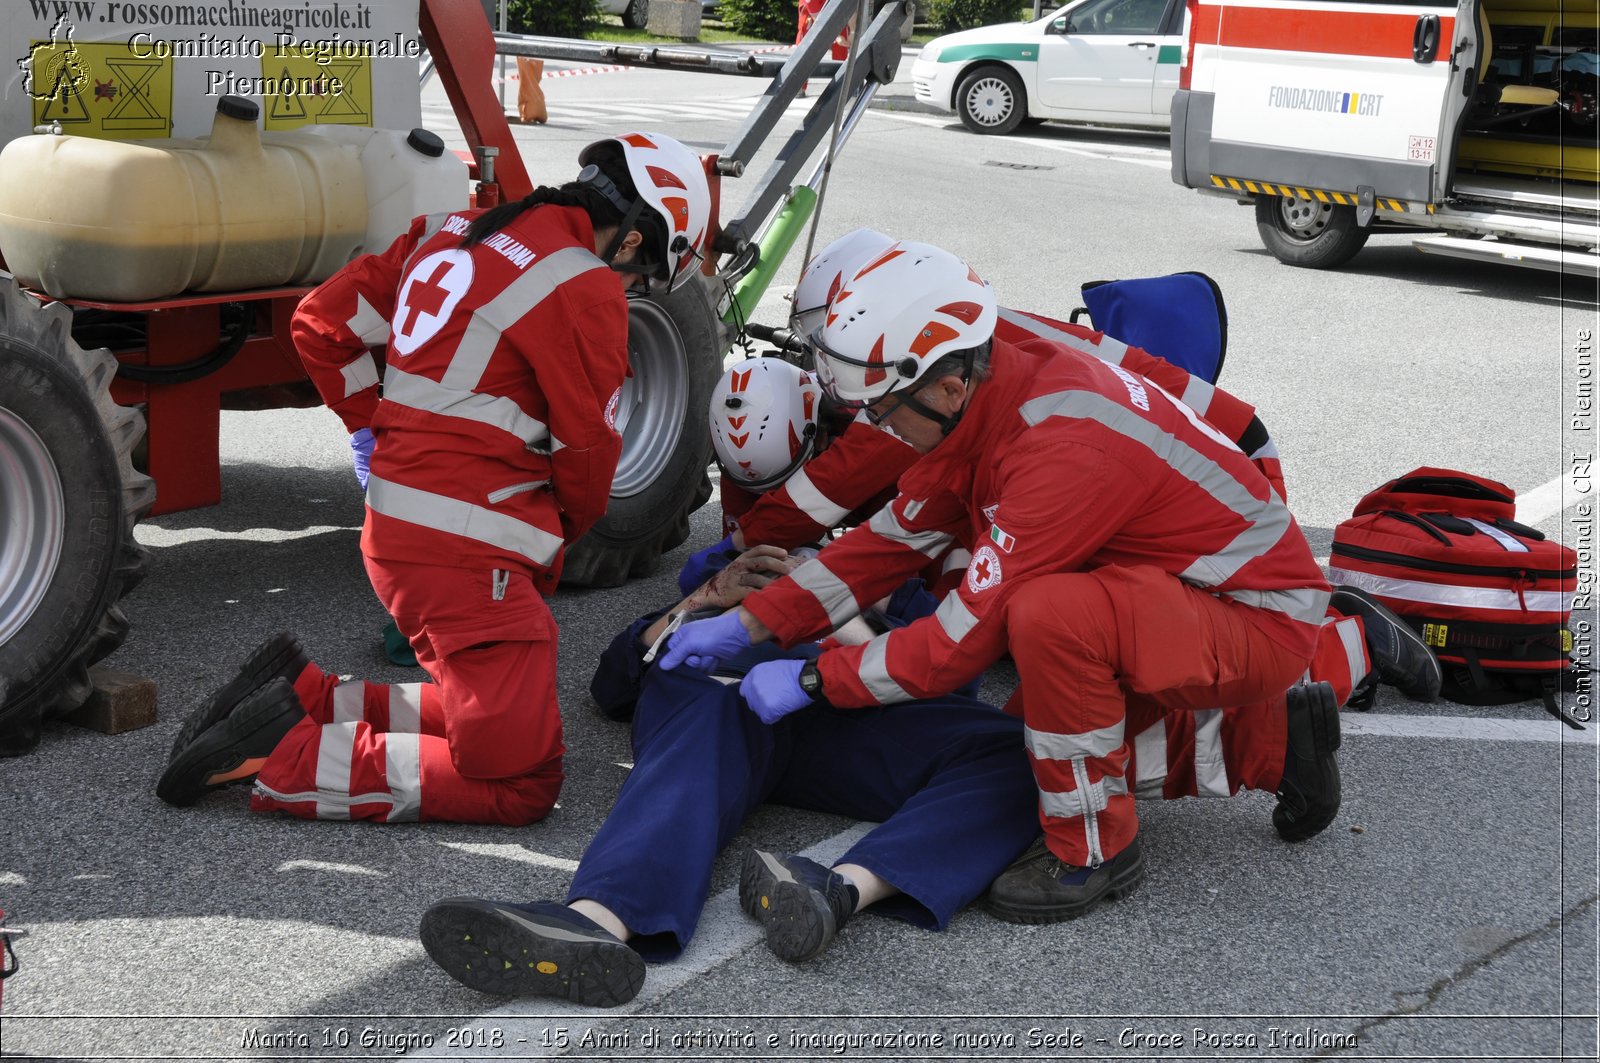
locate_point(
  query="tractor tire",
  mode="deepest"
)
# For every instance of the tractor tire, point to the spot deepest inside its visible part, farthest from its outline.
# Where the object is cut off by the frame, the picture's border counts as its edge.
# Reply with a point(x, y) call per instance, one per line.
point(675, 348)
point(71, 499)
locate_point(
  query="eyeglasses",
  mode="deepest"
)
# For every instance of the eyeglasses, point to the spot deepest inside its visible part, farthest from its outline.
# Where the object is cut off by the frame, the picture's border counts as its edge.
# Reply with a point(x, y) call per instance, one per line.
point(825, 356)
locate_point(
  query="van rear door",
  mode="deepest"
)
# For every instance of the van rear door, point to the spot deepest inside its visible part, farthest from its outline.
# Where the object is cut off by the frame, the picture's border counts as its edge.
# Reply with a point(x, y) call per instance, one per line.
point(1351, 97)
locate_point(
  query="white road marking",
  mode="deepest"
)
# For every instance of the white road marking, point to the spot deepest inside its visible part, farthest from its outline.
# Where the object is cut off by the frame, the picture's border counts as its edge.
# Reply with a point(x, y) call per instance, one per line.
point(323, 865)
point(1539, 728)
point(1549, 499)
point(724, 933)
point(520, 853)
point(1113, 154)
point(151, 535)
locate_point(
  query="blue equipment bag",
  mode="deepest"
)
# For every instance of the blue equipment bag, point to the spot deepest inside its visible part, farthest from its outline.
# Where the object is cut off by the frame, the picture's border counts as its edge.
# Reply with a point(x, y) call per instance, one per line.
point(1180, 318)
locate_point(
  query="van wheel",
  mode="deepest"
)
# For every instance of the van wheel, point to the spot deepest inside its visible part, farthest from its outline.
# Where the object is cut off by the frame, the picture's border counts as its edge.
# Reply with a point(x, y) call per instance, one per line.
point(1309, 233)
point(991, 100)
point(675, 347)
point(69, 498)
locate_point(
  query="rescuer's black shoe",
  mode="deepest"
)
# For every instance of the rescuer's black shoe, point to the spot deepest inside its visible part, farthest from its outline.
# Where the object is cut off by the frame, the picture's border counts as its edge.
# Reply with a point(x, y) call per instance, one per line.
point(1040, 887)
point(1308, 796)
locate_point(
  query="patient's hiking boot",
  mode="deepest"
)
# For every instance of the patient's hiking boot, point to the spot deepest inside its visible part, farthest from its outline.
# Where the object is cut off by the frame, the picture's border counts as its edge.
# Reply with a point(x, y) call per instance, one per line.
point(1040, 887)
point(544, 950)
point(279, 656)
point(233, 748)
point(802, 903)
point(1399, 656)
point(1308, 796)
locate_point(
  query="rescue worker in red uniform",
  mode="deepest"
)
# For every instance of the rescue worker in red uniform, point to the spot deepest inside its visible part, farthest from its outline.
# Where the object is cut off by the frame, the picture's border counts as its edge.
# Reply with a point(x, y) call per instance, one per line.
point(492, 445)
point(1127, 554)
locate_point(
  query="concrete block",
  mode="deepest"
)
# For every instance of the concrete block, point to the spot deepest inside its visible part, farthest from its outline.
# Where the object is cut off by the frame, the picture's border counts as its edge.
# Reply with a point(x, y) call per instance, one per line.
point(675, 18)
point(121, 702)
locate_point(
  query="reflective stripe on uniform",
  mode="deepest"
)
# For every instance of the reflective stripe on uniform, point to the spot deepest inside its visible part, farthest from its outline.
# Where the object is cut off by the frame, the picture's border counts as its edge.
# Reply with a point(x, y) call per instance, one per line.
point(420, 393)
point(812, 502)
point(405, 708)
point(1305, 604)
point(402, 768)
point(1463, 597)
point(1210, 768)
point(335, 754)
point(359, 375)
point(929, 543)
point(874, 673)
point(954, 617)
point(956, 560)
point(348, 699)
point(1107, 350)
point(832, 593)
point(1150, 760)
point(442, 513)
point(1197, 395)
point(1050, 745)
point(1355, 648)
point(1267, 520)
point(489, 321)
point(369, 326)
point(1070, 804)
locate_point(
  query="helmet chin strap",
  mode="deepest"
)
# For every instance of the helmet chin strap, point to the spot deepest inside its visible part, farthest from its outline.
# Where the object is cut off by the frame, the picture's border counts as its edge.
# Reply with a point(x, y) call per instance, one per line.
point(946, 422)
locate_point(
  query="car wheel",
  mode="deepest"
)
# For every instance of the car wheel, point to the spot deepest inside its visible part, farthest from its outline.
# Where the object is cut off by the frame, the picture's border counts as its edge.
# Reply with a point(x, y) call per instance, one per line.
point(1308, 232)
point(991, 99)
point(636, 14)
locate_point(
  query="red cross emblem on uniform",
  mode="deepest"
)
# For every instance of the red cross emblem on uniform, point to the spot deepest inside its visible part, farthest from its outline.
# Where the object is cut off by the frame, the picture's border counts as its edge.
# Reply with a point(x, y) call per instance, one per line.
point(426, 297)
point(984, 571)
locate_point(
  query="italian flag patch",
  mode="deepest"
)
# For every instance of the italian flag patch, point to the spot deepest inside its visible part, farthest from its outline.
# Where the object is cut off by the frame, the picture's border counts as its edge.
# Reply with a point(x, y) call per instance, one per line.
point(1001, 539)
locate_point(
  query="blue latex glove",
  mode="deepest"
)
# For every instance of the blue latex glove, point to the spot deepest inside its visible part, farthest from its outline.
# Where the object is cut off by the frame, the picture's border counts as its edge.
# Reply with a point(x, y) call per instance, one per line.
point(705, 642)
point(702, 565)
point(772, 689)
point(361, 443)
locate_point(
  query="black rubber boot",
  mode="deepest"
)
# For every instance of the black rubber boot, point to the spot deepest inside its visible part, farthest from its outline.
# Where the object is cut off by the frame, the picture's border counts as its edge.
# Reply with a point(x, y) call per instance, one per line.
point(250, 732)
point(1040, 887)
point(543, 950)
point(278, 657)
point(1309, 795)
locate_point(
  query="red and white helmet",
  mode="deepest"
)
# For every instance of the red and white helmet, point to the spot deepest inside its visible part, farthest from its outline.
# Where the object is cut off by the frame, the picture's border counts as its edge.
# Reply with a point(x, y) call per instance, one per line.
point(826, 273)
point(672, 181)
point(764, 421)
point(897, 316)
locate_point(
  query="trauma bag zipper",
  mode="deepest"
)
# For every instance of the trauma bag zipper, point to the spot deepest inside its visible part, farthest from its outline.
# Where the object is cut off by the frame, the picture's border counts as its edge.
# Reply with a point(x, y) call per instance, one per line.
point(1362, 553)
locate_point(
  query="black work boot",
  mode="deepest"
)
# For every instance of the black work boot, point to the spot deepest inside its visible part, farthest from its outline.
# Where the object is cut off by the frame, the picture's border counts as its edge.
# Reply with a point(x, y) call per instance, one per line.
point(279, 656)
point(1040, 887)
point(1308, 796)
point(1399, 656)
point(802, 903)
point(234, 748)
point(543, 949)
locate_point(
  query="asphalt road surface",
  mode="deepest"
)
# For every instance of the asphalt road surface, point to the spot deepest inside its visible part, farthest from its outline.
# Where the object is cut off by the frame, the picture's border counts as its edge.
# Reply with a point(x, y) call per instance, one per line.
point(1449, 913)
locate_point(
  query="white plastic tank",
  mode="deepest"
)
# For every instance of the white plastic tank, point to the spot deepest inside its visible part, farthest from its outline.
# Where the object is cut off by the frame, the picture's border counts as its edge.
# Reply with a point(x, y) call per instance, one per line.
point(408, 174)
point(140, 220)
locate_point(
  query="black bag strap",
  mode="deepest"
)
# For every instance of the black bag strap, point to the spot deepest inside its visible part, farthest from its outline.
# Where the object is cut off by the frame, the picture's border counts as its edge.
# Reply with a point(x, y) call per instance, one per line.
point(1547, 693)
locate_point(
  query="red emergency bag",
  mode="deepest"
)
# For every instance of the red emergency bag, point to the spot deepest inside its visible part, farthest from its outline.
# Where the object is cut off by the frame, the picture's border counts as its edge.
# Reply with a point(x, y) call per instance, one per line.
point(1491, 597)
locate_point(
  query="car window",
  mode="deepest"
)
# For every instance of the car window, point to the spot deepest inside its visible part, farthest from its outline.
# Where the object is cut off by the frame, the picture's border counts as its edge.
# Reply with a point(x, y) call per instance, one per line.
point(1116, 16)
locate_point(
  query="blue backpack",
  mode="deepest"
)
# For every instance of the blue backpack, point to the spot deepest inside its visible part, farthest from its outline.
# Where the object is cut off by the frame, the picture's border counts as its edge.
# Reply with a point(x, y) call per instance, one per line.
point(1180, 318)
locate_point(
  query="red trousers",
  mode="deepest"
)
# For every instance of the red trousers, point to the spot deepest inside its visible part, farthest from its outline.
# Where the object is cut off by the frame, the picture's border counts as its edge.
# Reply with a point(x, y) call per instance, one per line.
point(1106, 656)
point(480, 744)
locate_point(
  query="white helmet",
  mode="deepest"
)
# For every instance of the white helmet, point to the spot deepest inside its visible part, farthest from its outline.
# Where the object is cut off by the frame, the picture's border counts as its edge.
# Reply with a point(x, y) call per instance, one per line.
point(671, 180)
point(764, 421)
point(897, 316)
point(826, 273)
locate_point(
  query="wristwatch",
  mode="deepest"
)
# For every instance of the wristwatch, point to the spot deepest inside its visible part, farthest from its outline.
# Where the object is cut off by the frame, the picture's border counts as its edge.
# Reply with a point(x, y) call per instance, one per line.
point(811, 680)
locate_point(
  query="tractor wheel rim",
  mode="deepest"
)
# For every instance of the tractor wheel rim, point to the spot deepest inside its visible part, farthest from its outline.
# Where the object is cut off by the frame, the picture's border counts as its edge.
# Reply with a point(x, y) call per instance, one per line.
point(650, 411)
point(33, 514)
point(989, 101)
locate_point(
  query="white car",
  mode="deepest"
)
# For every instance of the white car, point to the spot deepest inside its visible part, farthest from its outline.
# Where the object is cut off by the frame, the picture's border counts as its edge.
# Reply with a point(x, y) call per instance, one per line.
point(1110, 61)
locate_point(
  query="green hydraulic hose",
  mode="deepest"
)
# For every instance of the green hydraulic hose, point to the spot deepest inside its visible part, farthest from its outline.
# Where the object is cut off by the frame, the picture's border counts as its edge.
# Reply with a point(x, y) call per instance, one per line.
point(774, 247)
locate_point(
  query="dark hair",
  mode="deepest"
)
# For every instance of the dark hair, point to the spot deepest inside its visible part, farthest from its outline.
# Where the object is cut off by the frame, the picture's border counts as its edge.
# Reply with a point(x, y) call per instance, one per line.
point(603, 214)
point(955, 364)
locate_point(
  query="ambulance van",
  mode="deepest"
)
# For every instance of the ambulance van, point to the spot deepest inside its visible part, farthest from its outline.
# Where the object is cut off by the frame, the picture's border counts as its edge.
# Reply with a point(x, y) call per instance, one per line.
point(1470, 123)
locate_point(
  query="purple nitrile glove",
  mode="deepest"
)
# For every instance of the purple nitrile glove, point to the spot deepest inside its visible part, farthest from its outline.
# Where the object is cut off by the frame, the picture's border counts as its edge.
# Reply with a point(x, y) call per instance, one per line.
point(705, 642)
point(772, 689)
point(361, 443)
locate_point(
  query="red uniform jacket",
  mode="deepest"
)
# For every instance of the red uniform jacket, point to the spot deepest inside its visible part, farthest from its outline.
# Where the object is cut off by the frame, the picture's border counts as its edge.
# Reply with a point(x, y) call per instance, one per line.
point(1062, 463)
point(495, 431)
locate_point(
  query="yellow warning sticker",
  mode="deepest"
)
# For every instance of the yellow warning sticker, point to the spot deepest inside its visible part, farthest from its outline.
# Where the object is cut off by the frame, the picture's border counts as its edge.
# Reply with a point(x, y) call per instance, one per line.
point(1434, 634)
point(1566, 641)
point(110, 91)
point(302, 86)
